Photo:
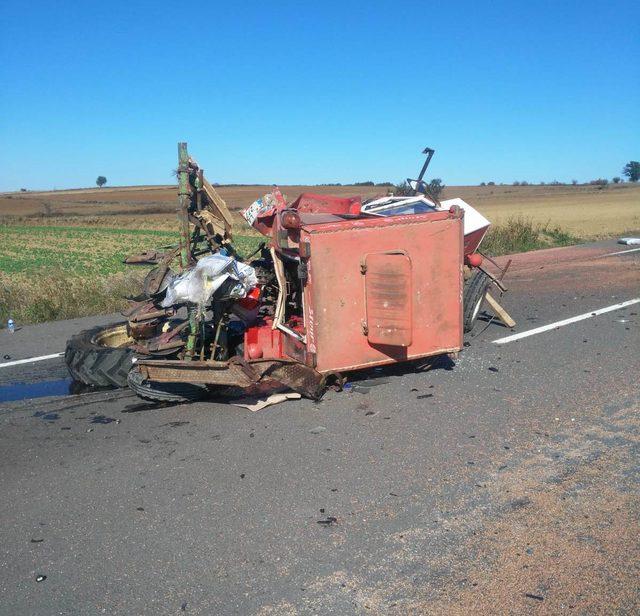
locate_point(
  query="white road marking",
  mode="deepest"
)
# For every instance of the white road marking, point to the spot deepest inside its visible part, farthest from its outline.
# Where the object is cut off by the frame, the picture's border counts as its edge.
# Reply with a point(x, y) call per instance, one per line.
point(580, 317)
point(30, 360)
point(621, 252)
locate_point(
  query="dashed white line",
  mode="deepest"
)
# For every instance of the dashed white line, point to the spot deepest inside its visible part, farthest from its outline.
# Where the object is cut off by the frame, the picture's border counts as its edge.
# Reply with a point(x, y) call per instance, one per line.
point(580, 317)
point(621, 252)
point(30, 360)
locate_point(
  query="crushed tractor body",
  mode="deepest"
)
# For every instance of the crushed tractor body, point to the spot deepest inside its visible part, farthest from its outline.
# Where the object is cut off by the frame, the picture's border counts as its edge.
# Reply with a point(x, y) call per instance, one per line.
point(337, 285)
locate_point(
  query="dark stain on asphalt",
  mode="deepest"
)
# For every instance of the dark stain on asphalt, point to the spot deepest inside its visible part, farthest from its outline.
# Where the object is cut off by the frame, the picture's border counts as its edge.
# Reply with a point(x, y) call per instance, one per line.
point(146, 406)
point(423, 396)
point(41, 389)
point(493, 369)
point(519, 503)
point(536, 597)
point(176, 424)
point(36, 540)
point(46, 416)
point(102, 419)
point(328, 521)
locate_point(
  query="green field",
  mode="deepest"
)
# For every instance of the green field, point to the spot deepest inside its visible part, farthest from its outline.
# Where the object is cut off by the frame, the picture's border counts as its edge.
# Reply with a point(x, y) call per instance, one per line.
point(49, 273)
point(82, 250)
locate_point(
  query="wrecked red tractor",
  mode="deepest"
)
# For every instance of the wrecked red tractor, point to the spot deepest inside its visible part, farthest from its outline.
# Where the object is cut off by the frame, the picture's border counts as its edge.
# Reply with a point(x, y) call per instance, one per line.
point(338, 285)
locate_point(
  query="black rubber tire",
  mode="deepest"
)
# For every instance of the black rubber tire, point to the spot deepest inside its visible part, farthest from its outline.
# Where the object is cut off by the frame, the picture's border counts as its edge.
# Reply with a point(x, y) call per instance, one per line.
point(92, 362)
point(475, 291)
point(164, 392)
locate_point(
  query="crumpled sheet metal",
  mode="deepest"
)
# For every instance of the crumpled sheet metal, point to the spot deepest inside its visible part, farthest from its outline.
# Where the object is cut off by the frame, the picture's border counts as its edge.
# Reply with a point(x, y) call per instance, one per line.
point(265, 206)
point(198, 284)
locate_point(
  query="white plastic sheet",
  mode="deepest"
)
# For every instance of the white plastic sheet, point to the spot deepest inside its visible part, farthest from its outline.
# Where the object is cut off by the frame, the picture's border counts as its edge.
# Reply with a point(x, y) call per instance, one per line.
point(198, 284)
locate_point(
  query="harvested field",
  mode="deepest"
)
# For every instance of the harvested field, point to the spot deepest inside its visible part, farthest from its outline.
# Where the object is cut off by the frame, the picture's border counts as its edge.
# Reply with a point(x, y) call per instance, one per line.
point(585, 211)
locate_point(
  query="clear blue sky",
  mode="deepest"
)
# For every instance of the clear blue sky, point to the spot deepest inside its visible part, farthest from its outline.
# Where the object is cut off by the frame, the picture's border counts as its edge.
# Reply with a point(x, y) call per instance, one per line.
point(297, 92)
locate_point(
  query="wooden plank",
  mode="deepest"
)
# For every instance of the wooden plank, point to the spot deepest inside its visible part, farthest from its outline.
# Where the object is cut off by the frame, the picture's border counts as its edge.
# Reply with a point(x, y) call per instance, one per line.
point(218, 204)
point(501, 313)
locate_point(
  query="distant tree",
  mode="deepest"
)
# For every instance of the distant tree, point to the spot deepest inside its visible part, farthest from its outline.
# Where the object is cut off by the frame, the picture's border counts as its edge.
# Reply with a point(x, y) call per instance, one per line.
point(491, 183)
point(617, 180)
point(524, 183)
point(543, 183)
point(600, 182)
point(436, 187)
point(516, 183)
point(483, 183)
point(574, 182)
point(367, 183)
point(403, 189)
point(101, 181)
point(632, 170)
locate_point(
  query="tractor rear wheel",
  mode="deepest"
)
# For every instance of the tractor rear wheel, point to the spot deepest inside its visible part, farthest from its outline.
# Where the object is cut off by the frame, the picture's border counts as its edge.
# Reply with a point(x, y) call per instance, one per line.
point(100, 356)
point(475, 292)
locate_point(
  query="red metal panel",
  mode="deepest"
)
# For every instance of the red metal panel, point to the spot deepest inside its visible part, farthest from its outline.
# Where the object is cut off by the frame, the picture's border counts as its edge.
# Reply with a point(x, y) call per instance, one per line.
point(389, 306)
point(336, 293)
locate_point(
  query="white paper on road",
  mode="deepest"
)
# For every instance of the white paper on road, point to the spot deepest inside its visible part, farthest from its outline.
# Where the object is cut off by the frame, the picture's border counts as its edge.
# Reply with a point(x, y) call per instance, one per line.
point(257, 405)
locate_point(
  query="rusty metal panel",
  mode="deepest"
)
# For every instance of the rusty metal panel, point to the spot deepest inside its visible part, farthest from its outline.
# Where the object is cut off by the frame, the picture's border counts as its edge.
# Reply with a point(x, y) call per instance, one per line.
point(297, 376)
point(202, 372)
point(388, 298)
point(335, 296)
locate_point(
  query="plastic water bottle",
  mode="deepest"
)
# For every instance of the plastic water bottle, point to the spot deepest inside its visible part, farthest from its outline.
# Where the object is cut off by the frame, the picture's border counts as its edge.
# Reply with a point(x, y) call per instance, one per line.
point(11, 326)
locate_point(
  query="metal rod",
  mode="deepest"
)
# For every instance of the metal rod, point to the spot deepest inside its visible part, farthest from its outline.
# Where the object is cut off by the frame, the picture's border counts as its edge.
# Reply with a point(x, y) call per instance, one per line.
point(429, 152)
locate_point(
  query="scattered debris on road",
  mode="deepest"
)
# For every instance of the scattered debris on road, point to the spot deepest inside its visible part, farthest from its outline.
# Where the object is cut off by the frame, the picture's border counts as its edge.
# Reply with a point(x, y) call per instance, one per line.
point(328, 521)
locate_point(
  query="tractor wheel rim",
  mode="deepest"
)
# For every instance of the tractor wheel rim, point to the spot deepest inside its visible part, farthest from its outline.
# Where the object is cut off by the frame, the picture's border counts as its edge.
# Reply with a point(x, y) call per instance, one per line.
point(476, 309)
point(113, 337)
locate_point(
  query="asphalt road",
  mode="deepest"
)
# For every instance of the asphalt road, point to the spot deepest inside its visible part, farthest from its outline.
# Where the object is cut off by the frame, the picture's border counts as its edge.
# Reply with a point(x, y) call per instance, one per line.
point(505, 483)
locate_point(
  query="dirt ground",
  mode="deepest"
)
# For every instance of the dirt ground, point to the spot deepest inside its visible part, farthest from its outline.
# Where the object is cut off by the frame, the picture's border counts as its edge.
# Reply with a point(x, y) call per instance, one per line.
point(585, 211)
